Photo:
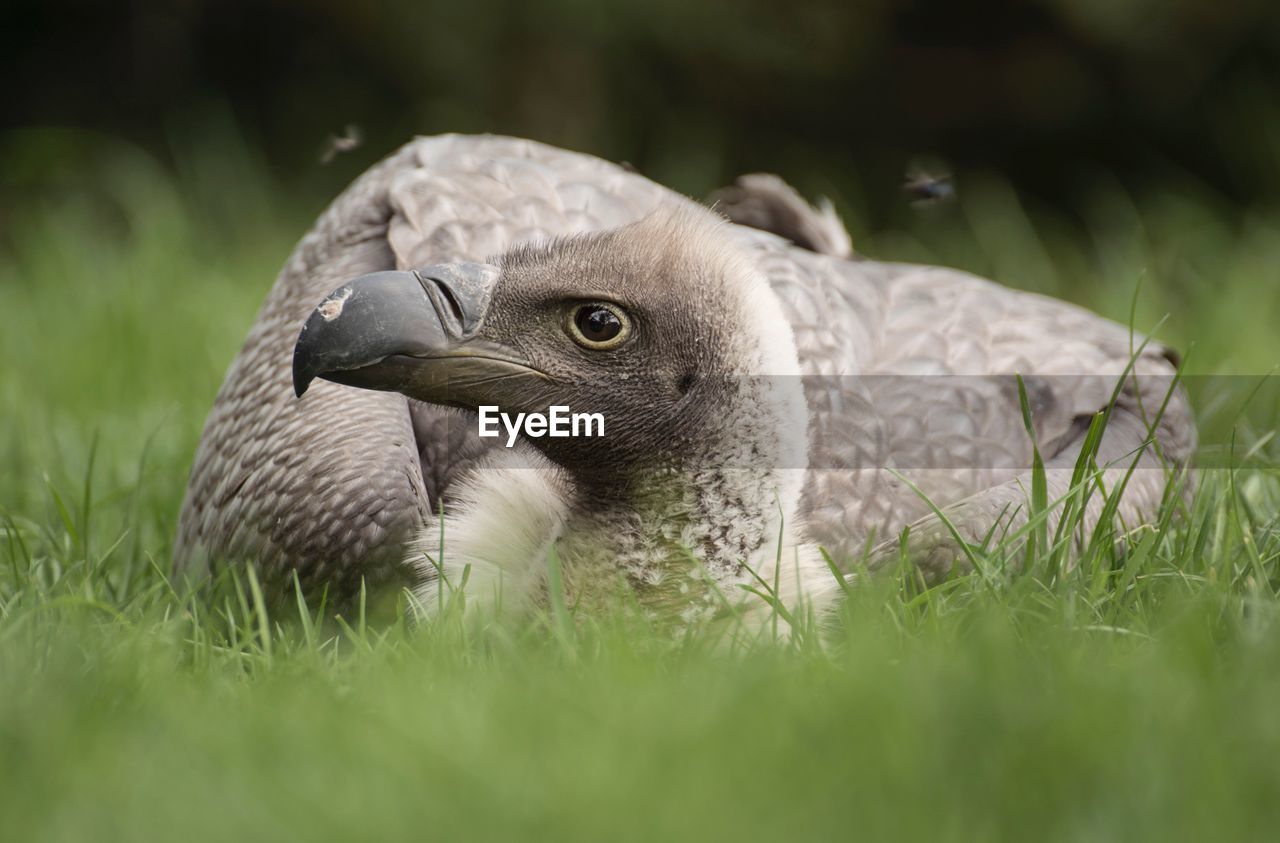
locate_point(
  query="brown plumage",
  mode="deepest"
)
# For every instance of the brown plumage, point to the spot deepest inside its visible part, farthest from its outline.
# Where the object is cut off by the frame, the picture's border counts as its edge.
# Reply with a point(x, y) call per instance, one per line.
point(897, 364)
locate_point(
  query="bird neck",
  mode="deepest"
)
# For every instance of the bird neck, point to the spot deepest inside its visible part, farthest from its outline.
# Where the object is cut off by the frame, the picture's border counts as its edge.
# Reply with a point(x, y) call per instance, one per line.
point(680, 535)
point(684, 541)
point(682, 547)
point(721, 511)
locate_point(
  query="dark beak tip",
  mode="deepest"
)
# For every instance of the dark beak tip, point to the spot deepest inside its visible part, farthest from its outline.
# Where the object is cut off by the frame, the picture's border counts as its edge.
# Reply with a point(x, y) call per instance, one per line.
point(301, 377)
point(300, 383)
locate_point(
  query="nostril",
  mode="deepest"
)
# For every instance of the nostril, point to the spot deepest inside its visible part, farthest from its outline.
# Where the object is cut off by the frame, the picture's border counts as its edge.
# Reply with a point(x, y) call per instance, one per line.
point(461, 291)
point(450, 299)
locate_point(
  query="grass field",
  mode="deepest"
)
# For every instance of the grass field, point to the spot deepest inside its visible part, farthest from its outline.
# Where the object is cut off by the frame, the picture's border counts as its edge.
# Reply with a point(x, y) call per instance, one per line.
point(1130, 699)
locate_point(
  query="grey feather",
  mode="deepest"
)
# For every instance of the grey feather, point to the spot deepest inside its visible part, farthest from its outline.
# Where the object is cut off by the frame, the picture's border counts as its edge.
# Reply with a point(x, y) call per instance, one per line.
point(766, 202)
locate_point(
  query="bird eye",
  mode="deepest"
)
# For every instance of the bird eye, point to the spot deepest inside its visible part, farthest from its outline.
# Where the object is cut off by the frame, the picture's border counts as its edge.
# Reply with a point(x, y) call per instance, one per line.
point(599, 326)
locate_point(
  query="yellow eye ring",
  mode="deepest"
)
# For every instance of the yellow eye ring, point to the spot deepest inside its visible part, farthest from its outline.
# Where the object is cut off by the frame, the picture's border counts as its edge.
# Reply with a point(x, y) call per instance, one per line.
point(598, 326)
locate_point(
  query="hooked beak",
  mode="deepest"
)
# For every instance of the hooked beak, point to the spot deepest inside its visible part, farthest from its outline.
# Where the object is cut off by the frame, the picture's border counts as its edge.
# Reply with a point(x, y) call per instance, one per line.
point(412, 332)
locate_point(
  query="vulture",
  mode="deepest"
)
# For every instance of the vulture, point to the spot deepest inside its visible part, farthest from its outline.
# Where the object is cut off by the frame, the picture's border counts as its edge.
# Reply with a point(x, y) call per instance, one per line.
point(757, 402)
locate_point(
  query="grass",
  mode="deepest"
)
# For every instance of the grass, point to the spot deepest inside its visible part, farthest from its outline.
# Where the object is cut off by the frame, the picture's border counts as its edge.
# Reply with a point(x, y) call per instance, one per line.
point(1127, 698)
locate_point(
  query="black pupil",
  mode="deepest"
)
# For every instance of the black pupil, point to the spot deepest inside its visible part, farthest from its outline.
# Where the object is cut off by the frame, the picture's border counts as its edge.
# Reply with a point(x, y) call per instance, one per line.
point(598, 324)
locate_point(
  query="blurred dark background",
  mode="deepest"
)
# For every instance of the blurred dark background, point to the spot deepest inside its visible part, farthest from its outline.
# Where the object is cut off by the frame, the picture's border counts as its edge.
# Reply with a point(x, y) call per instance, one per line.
point(840, 97)
point(158, 160)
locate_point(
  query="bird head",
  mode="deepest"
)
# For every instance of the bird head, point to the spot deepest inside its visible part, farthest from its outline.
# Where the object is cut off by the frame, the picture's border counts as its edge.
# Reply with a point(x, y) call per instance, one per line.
point(664, 327)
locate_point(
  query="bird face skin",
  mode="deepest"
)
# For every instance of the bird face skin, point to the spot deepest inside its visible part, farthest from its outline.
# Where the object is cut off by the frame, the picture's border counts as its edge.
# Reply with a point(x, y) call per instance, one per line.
point(650, 325)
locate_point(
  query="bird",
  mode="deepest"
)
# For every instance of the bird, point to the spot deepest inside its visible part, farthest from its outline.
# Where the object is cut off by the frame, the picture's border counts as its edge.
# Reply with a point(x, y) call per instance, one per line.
point(773, 405)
